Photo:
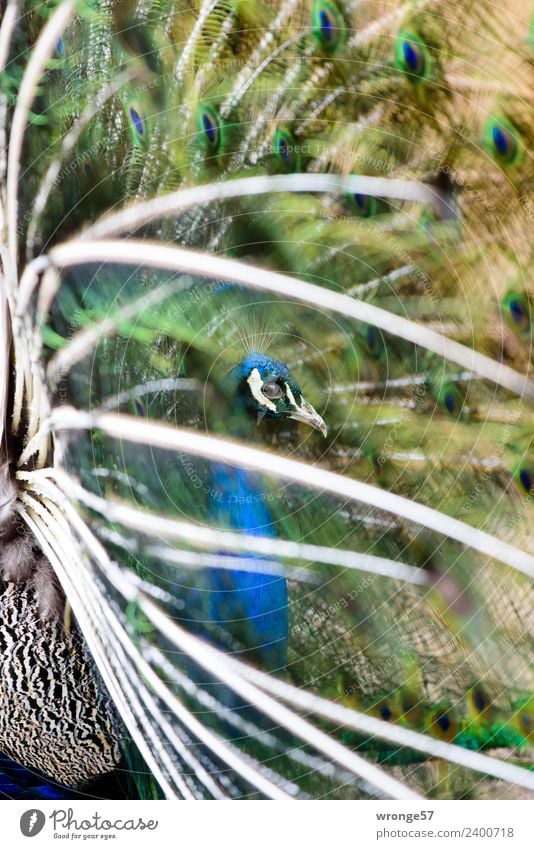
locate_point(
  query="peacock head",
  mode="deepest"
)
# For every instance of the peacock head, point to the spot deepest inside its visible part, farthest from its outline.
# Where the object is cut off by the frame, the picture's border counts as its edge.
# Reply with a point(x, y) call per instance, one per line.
point(267, 389)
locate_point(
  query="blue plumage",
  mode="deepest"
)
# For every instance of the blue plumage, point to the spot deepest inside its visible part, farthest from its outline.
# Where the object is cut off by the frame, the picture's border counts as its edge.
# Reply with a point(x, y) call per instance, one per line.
point(252, 605)
point(17, 782)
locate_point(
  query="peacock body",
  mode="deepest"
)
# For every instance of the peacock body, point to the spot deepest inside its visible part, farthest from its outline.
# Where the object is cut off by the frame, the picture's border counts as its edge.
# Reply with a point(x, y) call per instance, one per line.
point(266, 399)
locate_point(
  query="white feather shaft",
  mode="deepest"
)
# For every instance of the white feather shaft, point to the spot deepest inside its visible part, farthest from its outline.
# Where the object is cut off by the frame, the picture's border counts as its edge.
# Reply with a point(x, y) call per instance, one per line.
point(131, 429)
point(141, 253)
point(39, 56)
point(196, 535)
point(142, 213)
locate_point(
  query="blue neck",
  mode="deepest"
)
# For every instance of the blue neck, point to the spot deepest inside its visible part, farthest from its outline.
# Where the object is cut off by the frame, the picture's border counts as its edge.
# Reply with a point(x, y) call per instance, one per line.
point(252, 606)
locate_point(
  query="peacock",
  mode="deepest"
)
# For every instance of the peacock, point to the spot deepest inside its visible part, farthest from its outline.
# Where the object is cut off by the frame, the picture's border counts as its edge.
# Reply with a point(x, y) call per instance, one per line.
point(267, 458)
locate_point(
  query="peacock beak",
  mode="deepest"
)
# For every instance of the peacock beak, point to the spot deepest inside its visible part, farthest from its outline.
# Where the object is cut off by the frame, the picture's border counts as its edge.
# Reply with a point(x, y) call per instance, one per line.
point(306, 413)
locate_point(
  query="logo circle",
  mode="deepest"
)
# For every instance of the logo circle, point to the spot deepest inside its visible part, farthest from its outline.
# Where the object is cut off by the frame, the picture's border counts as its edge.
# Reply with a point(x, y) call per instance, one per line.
point(32, 822)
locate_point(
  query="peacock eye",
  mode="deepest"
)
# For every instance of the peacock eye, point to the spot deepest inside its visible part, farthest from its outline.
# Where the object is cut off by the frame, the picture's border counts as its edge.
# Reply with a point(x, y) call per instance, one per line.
point(517, 309)
point(328, 25)
point(286, 150)
point(272, 391)
point(503, 141)
point(526, 480)
point(450, 402)
point(366, 206)
point(210, 127)
point(479, 700)
point(137, 121)
point(414, 58)
point(385, 712)
point(443, 721)
point(412, 55)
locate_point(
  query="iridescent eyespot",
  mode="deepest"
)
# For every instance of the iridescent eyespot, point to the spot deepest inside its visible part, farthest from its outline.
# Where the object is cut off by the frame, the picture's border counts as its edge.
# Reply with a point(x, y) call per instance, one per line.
point(451, 399)
point(450, 402)
point(443, 721)
point(385, 712)
point(366, 206)
point(479, 699)
point(328, 25)
point(283, 148)
point(411, 707)
point(272, 391)
point(373, 341)
point(526, 480)
point(60, 47)
point(287, 151)
point(136, 121)
point(210, 127)
point(524, 476)
point(517, 311)
point(443, 724)
point(373, 338)
point(210, 130)
point(503, 141)
point(411, 55)
point(385, 709)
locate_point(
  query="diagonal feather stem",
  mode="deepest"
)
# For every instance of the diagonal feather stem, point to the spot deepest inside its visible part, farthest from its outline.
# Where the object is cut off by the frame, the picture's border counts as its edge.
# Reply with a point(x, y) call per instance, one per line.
point(67, 146)
point(39, 56)
point(305, 701)
point(108, 623)
point(198, 535)
point(298, 754)
point(221, 748)
point(187, 52)
point(208, 658)
point(59, 558)
point(316, 705)
point(191, 560)
point(74, 253)
point(7, 27)
point(244, 766)
point(141, 213)
point(60, 534)
point(131, 429)
point(369, 725)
